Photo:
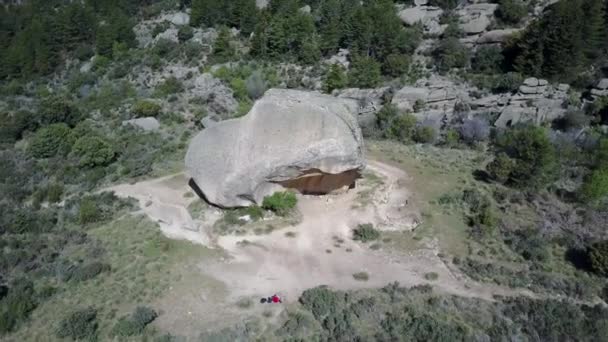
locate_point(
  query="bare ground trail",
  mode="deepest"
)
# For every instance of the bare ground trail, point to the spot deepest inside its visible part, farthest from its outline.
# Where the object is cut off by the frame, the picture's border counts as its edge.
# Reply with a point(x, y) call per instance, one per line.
point(317, 251)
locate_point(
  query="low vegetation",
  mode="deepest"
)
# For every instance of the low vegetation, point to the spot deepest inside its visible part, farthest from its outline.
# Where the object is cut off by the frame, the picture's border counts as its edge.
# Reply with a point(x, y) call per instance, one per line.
point(281, 203)
point(365, 233)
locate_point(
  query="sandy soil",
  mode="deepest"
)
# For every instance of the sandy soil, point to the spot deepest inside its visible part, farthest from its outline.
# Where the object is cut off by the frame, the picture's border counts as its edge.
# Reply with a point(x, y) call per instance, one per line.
point(317, 251)
point(323, 252)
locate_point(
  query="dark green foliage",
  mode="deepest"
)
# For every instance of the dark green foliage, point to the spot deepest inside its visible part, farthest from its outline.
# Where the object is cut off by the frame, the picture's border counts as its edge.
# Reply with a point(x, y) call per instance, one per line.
point(335, 78)
point(223, 50)
point(450, 53)
point(135, 323)
point(17, 305)
point(501, 167)
point(481, 215)
point(145, 108)
point(365, 233)
point(487, 60)
point(396, 65)
point(364, 73)
point(96, 208)
point(511, 11)
point(595, 186)
point(51, 140)
point(242, 14)
point(93, 151)
point(185, 33)
point(445, 4)
point(79, 325)
point(58, 109)
point(281, 203)
point(598, 257)
point(563, 41)
point(424, 134)
point(12, 127)
point(171, 86)
point(533, 154)
point(321, 301)
point(395, 125)
point(118, 28)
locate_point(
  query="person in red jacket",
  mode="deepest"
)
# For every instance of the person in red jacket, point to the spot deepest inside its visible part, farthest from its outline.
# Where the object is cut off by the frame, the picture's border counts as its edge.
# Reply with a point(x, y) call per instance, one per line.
point(276, 299)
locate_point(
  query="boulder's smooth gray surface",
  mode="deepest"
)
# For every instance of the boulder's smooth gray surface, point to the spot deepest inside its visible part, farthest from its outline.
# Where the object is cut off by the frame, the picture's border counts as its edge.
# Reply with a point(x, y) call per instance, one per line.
point(147, 123)
point(287, 133)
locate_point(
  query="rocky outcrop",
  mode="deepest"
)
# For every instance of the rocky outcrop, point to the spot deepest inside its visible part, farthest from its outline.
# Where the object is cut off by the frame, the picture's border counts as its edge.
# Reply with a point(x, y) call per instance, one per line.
point(496, 36)
point(476, 18)
point(287, 135)
point(147, 123)
point(427, 16)
point(600, 89)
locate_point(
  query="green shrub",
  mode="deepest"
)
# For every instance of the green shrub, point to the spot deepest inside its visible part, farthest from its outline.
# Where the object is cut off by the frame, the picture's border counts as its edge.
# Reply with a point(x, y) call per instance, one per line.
point(402, 128)
point(511, 11)
point(533, 154)
point(59, 109)
point(424, 134)
point(79, 325)
point(365, 233)
point(595, 186)
point(598, 257)
point(50, 141)
point(185, 33)
point(488, 60)
point(145, 108)
point(17, 305)
point(450, 53)
point(335, 78)
point(88, 211)
point(171, 86)
point(93, 151)
point(255, 212)
point(364, 73)
point(361, 276)
point(501, 167)
point(321, 301)
point(396, 65)
point(451, 138)
point(88, 271)
point(281, 203)
point(135, 323)
point(431, 276)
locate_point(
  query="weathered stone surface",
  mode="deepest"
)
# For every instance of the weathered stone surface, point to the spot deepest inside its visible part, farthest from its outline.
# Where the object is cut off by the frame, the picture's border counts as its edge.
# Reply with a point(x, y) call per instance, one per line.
point(602, 84)
point(218, 98)
point(542, 82)
point(563, 87)
point(147, 123)
point(287, 135)
point(407, 96)
point(340, 58)
point(419, 14)
point(531, 82)
point(524, 89)
point(475, 18)
point(177, 18)
point(496, 36)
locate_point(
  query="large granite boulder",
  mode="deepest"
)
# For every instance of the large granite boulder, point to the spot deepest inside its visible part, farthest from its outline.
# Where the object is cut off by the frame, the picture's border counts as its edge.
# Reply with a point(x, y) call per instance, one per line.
point(290, 138)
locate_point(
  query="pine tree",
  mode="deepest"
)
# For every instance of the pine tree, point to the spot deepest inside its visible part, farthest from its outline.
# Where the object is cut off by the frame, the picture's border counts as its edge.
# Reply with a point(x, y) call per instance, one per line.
point(594, 27)
point(222, 48)
point(335, 78)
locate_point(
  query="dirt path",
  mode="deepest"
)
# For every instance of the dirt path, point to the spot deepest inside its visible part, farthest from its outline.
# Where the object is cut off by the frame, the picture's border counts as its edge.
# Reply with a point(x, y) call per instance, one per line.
point(164, 201)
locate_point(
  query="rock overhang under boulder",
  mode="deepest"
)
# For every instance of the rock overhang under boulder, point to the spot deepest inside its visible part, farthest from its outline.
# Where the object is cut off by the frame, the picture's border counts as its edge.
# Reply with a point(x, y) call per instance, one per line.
point(290, 139)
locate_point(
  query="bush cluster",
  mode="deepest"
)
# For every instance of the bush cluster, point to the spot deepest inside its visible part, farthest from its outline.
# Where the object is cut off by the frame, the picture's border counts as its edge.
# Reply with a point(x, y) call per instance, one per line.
point(281, 203)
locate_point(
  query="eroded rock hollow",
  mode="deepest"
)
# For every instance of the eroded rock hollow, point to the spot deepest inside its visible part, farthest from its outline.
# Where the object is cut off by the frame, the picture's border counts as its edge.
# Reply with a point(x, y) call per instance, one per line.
point(290, 139)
